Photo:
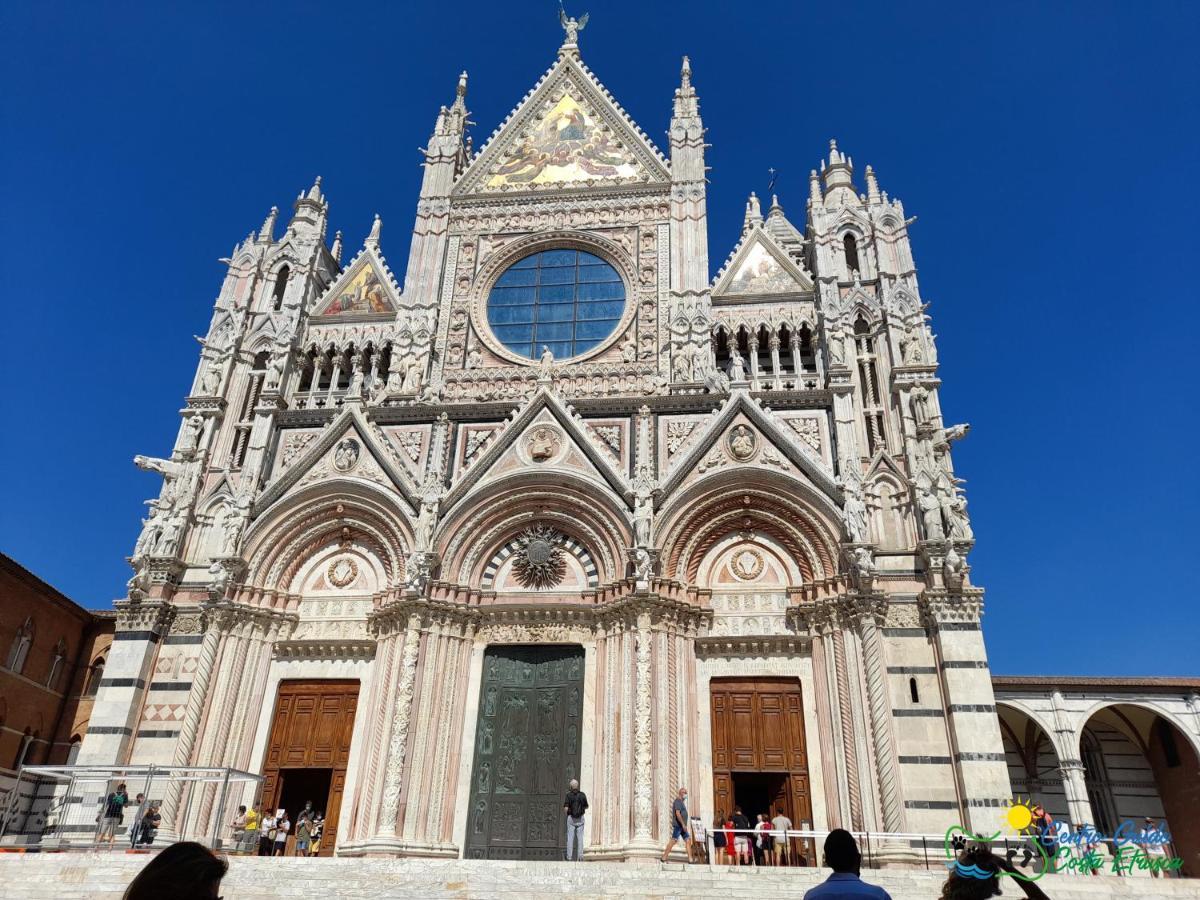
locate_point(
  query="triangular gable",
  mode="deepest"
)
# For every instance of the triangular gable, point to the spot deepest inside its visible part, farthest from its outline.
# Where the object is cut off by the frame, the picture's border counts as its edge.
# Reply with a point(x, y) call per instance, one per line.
point(372, 457)
point(365, 289)
point(542, 407)
point(567, 132)
point(760, 267)
point(782, 437)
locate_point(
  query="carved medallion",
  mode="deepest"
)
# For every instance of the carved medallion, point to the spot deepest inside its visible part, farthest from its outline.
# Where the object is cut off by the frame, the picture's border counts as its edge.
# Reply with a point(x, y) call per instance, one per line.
point(342, 572)
point(345, 455)
point(742, 443)
point(746, 564)
point(543, 444)
point(539, 559)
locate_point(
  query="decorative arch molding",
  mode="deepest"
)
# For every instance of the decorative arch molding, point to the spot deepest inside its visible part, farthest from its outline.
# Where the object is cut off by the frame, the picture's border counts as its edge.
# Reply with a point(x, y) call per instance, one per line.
point(1114, 703)
point(785, 509)
point(486, 519)
point(285, 537)
point(496, 264)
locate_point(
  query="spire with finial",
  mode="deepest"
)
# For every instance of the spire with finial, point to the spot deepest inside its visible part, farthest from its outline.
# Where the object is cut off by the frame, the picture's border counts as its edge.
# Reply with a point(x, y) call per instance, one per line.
point(776, 209)
point(314, 192)
point(753, 213)
point(336, 250)
point(814, 187)
point(267, 232)
point(840, 171)
point(872, 186)
point(686, 103)
point(373, 238)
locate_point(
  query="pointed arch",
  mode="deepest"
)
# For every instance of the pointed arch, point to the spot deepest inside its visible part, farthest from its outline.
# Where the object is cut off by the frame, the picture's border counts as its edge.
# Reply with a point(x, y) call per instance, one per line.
point(285, 536)
point(790, 511)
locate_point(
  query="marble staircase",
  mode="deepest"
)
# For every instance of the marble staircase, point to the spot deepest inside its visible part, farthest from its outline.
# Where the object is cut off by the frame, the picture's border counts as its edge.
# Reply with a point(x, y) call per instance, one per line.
point(63, 876)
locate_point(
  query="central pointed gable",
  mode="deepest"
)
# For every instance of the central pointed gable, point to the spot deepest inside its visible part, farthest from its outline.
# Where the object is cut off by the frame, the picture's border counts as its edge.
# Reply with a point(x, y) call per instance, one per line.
point(365, 289)
point(350, 447)
point(568, 132)
point(543, 426)
point(759, 267)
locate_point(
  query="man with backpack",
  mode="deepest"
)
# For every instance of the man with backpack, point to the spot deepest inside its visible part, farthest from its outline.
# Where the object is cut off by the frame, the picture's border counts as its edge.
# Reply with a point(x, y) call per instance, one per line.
point(575, 805)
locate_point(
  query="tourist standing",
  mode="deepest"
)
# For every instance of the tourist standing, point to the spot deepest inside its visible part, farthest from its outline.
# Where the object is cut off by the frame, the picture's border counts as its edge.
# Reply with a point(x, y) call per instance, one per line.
point(266, 843)
point(719, 837)
point(250, 838)
point(112, 814)
point(679, 824)
point(730, 840)
point(1046, 834)
point(303, 834)
point(148, 826)
point(136, 828)
point(783, 844)
point(764, 852)
point(318, 831)
point(575, 804)
point(282, 827)
point(239, 827)
point(1153, 846)
point(841, 855)
point(741, 839)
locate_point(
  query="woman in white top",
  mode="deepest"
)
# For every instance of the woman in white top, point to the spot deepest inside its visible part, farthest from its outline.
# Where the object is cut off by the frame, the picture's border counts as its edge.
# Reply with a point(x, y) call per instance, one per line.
point(266, 835)
point(282, 827)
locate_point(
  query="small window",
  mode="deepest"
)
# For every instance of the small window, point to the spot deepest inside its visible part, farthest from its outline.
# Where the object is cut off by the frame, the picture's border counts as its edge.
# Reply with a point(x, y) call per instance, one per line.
point(281, 281)
point(56, 664)
point(94, 676)
point(851, 246)
point(73, 751)
point(19, 651)
point(23, 749)
point(912, 690)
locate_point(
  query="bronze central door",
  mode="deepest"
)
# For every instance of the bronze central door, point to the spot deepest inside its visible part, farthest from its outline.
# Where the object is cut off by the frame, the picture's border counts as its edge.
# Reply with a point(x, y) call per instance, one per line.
point(527, 748)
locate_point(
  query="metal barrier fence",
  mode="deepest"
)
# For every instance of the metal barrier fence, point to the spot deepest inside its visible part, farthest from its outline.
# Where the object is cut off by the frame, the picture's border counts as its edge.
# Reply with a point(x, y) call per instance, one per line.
point(64, 807)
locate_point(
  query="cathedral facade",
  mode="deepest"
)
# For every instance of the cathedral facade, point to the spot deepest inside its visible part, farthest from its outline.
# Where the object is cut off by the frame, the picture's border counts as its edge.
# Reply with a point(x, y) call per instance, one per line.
point(554, 502)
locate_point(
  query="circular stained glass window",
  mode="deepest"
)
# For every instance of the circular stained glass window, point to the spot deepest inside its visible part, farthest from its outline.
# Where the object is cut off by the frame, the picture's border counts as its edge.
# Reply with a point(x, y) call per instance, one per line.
point(567, 300)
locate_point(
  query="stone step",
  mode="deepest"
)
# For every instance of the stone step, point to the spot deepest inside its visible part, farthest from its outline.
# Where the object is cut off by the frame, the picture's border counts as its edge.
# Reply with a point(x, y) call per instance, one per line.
point(61, 876)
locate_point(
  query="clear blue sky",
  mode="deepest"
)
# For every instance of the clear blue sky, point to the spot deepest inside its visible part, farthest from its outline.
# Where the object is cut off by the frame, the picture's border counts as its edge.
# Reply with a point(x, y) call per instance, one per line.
point(1049, 151)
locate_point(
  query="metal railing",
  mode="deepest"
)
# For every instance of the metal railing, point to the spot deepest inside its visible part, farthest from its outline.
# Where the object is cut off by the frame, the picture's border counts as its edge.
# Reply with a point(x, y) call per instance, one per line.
point(64, 807)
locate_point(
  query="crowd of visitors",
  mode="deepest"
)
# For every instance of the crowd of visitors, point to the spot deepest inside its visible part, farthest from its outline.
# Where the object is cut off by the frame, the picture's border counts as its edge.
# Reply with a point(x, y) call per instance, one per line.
point(270, 831)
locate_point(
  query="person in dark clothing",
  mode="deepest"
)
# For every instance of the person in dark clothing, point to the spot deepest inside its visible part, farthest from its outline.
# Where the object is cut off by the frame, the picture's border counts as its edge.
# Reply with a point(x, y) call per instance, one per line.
point(679, 825)
point(575, 804)
point(183, 871)
point(741, 839)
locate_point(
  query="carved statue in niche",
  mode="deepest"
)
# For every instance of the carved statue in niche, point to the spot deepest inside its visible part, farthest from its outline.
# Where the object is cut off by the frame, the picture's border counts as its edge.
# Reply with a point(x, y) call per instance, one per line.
point(931, 515)
point(643, 519)
point(954, 509)
point(629, 350)
point(210, 381)
point(643, 564)
point(742, 443)
point(737, 366)
point(413, 369)
point(231, 530)
point(863, 567)
point(474, 358)
point(854, 513)
point(912, 347)
point(920, 406)
point(151, 532)
point(191, 433)
point(171, 531)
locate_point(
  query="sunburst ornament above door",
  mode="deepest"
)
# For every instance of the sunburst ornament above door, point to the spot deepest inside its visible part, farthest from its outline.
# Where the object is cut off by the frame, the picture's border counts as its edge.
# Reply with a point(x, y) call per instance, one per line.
point(539, 561)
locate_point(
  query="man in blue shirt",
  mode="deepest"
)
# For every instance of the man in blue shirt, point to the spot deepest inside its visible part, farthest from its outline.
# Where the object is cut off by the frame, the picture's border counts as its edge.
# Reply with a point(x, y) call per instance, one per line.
point(841, 855)
point(679, 825)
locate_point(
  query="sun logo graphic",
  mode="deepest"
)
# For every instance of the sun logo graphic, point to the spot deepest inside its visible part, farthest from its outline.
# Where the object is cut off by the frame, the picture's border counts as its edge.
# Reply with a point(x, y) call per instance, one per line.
point(1019, 816)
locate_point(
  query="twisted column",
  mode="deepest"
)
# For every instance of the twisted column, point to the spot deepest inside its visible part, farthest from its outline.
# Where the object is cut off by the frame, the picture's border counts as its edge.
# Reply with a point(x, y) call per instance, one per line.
point(191, 717)
point(886, 764)
point(849, 751)
point(389, 809)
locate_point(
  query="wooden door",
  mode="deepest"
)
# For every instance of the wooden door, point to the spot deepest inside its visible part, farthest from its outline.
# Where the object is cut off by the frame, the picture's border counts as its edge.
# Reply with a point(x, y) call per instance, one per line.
point(527, 749)
point(758, 726)
point(312, 728)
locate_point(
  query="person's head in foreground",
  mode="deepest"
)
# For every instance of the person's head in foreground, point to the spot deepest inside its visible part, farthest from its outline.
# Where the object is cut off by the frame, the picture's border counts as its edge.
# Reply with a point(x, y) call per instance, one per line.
point(841, 852)
point(975, 876)
point(183, 871)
